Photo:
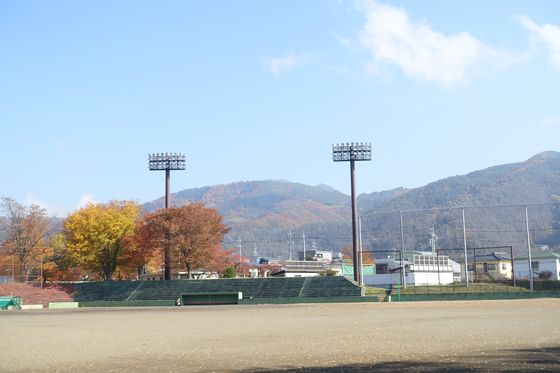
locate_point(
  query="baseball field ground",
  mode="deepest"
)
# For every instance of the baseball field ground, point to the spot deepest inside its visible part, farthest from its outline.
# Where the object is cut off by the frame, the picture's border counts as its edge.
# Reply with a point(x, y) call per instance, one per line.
point(460, 336)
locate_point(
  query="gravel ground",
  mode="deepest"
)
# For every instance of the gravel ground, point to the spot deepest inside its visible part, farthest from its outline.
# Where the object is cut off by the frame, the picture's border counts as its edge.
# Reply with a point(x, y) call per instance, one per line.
point(469, 336)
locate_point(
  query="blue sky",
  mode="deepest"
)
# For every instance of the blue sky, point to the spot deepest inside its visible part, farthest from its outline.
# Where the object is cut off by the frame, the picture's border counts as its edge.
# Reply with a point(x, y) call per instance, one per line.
point(253, 90)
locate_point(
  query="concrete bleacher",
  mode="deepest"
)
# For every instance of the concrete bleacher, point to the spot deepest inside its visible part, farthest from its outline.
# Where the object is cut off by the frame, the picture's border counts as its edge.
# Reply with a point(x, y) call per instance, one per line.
point(329, 286)
point(104, 290)
point(34, 294)
point(251, 288)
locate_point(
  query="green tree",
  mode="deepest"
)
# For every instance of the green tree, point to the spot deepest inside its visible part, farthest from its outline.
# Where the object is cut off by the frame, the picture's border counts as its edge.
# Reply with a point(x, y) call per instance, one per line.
point(95, 233)
point(328, 272)
point(230, 272)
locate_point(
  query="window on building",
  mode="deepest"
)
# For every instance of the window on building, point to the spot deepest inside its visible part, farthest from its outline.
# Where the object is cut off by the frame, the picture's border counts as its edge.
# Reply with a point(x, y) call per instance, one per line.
point(504, 267)
point(381, 269)
point(535, 266)
point(491, 267)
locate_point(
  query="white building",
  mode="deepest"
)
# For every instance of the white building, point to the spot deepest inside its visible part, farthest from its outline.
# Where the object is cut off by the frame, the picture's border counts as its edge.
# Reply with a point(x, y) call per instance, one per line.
point(421, 268)
point(316, 255)
point(541, 261)
point(305, 268)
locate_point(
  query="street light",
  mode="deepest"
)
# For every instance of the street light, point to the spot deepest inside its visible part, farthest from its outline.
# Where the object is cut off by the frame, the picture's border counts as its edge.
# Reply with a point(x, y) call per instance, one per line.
point(167, 162)
point(352, 152)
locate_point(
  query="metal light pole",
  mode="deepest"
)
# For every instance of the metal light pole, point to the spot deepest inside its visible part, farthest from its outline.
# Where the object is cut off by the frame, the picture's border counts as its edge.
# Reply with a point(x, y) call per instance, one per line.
point(167, 162)
point(465, 248)
point(529, 260)
point(403, 268)
point(352, 152)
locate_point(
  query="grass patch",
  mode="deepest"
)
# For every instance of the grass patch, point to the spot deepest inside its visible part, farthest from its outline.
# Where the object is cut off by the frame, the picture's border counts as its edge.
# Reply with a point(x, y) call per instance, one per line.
point(378, 292)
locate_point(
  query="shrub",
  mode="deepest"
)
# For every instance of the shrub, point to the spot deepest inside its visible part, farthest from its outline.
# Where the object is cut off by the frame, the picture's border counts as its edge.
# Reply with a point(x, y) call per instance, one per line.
point(545, 275)
point(230, 272)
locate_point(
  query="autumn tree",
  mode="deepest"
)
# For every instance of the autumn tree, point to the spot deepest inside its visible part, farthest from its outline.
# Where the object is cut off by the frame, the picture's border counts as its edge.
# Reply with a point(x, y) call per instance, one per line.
point(191, 234)
point(57, 262)
point(348, 253)
point(26, 228)
point(142, 253)
point(95, 233)
point(220, 260)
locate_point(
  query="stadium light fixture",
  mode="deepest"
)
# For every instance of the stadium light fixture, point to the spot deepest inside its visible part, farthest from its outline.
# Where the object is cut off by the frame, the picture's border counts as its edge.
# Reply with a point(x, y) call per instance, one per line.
point(352, 152)
point(167, 162)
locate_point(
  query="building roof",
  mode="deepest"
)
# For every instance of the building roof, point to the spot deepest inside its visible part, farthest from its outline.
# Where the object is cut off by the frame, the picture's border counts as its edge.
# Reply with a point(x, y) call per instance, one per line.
point(493, 257)
point(541, 255)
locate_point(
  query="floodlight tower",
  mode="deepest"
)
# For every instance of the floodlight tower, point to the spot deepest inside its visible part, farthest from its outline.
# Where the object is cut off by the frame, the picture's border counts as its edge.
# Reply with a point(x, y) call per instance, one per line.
point(167, 162)
point(352, 152)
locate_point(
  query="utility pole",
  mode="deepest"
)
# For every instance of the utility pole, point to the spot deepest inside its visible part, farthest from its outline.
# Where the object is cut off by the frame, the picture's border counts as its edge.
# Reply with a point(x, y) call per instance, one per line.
point(239, 247)
point(465, 247)
point(403, 270)
point(529, 249)
point(304, 253)
point(433, 240)
point(290, 244)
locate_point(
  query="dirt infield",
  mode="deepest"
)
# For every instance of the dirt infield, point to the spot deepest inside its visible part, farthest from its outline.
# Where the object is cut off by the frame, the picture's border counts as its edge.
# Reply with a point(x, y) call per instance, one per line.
point(518, 335)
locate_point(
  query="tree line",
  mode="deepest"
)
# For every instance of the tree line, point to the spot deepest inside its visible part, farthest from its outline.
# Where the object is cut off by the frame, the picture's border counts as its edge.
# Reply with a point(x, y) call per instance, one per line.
point(113, 240)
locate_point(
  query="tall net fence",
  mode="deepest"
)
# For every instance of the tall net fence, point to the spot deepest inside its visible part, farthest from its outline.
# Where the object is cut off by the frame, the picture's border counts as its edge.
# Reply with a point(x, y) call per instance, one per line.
point(455, 228)
point(387, 232)
point(485, 244)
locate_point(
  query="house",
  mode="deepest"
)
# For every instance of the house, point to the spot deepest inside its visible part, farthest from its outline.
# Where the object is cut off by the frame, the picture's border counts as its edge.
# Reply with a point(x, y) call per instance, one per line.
point(541, 261)
point(494, 266)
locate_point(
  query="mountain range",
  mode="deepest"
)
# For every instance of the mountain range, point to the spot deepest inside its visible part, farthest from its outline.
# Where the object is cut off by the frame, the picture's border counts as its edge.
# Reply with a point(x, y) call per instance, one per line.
point(262, 214)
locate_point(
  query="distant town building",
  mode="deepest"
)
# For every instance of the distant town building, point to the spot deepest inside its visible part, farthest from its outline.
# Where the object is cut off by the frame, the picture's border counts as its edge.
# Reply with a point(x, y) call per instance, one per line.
point(316, 255)
point(541, 261)
point(420, 268)
point(305, 268)
point(492, 267)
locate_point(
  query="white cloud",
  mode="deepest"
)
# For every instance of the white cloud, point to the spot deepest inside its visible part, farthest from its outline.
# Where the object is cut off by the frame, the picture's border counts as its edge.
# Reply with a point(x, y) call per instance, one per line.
point(393, 39)
point(551, 121)
point(85, 200)
point(547, 34)
point(344, 41)
point(32, 199)
point(276, 65)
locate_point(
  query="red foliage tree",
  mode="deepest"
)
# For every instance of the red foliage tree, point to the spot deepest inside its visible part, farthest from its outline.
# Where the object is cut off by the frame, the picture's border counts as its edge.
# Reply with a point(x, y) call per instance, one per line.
point(192, 234)
point(141, 255)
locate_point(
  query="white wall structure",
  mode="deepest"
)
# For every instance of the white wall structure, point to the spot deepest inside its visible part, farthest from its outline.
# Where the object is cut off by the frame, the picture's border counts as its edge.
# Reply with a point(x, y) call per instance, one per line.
point(300, 274)
point(412, 279)
point(306, 268)
point(541, 262)
point(421, 269)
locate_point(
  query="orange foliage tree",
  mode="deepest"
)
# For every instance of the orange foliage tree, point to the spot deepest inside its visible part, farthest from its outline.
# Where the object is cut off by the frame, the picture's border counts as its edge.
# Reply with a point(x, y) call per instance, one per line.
point(347, 253)
point(141, 254)
point(57, 263)
point(192, 234)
